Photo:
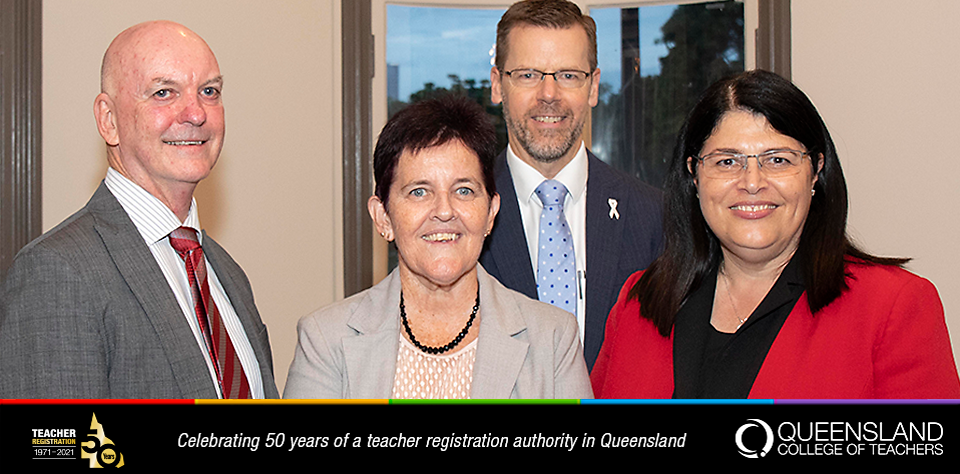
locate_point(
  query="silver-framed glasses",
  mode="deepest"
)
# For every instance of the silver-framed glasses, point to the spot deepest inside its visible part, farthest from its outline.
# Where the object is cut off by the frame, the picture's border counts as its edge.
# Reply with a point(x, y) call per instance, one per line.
point(567, 79)
point(772, 163)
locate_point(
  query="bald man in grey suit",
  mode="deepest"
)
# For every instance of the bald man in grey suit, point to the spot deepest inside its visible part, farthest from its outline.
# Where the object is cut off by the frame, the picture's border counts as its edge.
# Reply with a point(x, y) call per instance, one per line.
point(102, 305)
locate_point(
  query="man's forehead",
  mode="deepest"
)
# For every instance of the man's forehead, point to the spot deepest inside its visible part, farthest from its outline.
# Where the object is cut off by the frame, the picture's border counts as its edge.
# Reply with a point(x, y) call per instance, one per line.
point(534, 33)
point(161, 50)
point(569, 43)
point(140, 79)
point(167, 66)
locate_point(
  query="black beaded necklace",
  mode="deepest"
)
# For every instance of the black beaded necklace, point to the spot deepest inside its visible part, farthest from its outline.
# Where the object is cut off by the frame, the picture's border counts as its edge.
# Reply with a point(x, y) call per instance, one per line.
point(452, 344)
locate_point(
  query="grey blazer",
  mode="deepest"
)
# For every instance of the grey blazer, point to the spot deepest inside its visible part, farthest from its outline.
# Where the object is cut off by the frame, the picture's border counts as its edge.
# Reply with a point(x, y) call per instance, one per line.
point(87, 313)
point(525, 349)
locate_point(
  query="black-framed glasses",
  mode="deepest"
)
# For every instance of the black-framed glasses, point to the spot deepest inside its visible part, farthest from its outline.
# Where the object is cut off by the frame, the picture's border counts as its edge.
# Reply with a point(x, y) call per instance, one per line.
point(567, 79)
point(773, 163)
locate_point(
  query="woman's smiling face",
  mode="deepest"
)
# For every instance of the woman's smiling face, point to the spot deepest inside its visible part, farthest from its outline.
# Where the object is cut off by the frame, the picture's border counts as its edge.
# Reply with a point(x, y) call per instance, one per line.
point(439, 213)
point(755, 217)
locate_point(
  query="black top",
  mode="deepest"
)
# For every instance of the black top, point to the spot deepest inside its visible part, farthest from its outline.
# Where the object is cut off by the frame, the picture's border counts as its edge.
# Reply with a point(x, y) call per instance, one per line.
point(711, 364)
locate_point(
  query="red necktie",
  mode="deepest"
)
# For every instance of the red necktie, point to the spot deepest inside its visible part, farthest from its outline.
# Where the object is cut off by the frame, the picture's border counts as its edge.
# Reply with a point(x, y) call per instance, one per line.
point(233, 382)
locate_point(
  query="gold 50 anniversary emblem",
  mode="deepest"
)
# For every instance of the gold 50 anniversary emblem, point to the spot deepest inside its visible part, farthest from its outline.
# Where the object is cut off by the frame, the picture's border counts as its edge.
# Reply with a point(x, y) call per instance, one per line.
point(98, 448)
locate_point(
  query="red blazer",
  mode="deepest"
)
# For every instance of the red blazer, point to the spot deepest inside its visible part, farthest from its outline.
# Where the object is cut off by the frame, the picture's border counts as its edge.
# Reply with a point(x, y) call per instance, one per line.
point(885, 337)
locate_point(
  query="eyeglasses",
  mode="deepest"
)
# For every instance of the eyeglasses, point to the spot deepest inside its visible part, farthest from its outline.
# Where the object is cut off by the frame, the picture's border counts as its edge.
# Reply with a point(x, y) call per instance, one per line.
point(773, 163)
point(527, 78)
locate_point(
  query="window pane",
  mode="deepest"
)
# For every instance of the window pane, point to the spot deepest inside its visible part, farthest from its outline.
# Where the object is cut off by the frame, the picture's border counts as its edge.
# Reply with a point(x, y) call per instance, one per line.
point(433, 50)
point(655, 62)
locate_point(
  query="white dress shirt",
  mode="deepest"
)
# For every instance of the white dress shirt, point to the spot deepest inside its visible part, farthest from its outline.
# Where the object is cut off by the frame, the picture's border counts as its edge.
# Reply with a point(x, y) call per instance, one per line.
point(155, 221)
point(574, 176)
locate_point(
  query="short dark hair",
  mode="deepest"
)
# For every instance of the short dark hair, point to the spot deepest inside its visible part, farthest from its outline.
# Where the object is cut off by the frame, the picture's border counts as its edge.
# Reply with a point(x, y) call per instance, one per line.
point(546, 14)
point(431, 123)
point(692, 250)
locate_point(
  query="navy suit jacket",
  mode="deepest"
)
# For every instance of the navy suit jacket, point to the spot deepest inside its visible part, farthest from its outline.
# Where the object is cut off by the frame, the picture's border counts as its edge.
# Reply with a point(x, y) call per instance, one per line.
point(616, 248)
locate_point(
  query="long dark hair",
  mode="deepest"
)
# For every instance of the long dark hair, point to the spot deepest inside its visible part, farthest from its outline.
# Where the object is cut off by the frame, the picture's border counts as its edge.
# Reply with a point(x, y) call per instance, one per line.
point(692, 250)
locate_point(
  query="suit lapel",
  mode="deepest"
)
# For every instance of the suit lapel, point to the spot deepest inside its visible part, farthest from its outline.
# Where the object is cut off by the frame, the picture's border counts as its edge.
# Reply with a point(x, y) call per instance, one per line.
point(246, 311)
point(499, 356)
point(371, 355)
point(604, 235)
point(147, 283)
point(507, 253)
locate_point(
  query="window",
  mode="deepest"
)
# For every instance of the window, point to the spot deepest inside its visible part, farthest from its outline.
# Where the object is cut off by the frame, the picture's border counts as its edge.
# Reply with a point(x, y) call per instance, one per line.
point(424, 59)
point(655, 60)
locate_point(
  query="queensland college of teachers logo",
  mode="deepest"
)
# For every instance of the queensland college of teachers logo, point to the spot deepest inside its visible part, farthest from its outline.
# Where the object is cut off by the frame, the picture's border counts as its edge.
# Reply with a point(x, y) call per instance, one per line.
point(99, 449)
point(768, 439)
point(755, 438)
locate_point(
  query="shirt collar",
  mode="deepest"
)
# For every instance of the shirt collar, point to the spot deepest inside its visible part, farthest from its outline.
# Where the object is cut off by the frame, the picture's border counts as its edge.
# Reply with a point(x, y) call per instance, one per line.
point(152, 217)
point(526, 178)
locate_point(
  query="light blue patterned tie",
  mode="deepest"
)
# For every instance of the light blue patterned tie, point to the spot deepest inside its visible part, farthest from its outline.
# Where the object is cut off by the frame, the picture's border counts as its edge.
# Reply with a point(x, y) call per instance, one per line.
point(556, 266)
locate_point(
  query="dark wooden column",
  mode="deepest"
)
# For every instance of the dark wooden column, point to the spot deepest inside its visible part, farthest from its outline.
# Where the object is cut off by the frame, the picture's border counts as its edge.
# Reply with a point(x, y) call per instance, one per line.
point(773, 37)
point(20, 137)
point(357, 135)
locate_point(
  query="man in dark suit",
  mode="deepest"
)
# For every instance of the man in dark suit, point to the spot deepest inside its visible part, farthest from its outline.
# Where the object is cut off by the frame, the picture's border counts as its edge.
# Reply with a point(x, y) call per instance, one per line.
point(613, 219)
point(126, 298)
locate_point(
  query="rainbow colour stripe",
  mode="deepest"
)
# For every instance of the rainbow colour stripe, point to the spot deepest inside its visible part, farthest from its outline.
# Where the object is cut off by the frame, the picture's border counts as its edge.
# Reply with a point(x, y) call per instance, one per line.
point(473, 402)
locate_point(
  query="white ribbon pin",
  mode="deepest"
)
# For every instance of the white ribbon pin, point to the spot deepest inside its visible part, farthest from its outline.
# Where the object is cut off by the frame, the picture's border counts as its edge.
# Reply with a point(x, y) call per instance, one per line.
point(613, 208)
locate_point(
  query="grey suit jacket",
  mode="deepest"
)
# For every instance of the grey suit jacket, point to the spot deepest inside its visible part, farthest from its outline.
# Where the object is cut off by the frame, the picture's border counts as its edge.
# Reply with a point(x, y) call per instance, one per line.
point(616, 246)
point(525, 349)
point(87, 313)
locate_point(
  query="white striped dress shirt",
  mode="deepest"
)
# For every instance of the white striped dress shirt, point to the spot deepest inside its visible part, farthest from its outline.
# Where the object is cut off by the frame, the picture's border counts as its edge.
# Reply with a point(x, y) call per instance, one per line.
point(155, 221)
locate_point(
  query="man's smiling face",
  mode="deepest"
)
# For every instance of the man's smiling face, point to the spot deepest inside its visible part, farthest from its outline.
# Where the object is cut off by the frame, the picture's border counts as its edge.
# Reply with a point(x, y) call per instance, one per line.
point(545, 122)
point(165, 88)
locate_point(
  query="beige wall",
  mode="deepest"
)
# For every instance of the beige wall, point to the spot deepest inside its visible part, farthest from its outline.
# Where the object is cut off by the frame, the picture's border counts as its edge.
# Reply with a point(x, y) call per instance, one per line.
point(884, 74)
point(274, 199)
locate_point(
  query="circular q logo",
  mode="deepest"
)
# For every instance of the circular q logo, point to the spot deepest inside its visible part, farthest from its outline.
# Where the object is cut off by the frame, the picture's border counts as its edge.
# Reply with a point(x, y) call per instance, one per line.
point(751, 453)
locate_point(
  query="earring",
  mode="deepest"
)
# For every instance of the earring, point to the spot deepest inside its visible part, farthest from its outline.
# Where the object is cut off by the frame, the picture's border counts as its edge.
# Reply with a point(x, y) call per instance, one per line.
point(812, 192)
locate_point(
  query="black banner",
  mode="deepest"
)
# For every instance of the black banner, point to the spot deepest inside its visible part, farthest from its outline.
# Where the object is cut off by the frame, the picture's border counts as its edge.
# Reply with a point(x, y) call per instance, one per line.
point(134, 436)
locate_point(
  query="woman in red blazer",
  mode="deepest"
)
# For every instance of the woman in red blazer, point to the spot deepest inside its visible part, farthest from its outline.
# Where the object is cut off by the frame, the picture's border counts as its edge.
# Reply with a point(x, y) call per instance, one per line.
point(759, 292)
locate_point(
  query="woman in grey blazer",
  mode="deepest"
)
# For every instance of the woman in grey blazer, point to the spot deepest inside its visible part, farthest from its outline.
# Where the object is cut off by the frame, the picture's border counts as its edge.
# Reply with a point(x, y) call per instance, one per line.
point(438, 326)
